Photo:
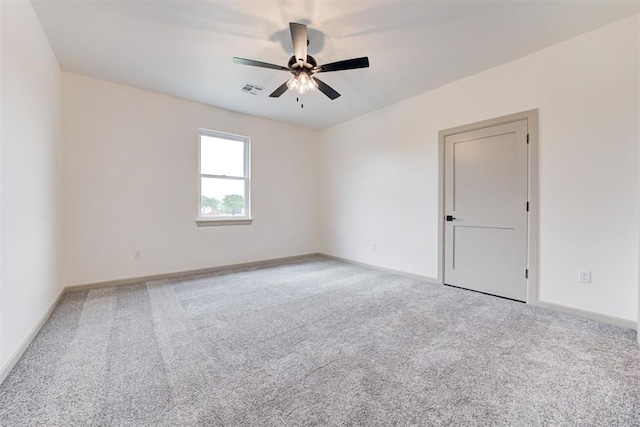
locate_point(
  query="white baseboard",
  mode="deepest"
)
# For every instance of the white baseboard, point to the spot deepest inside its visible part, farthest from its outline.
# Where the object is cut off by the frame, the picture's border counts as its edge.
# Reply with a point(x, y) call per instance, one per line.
point(612, 320)
point(252, 264)
point(605, 318)
point(17, 354)
point(375, 267)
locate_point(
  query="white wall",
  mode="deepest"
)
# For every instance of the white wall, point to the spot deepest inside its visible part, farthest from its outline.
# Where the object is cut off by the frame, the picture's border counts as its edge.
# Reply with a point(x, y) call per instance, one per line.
point(379, 173)
point(131, 183)
point(30, 177)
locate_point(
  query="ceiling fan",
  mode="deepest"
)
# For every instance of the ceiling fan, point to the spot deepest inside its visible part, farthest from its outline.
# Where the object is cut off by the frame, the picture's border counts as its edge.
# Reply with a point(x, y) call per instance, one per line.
point(304, 67)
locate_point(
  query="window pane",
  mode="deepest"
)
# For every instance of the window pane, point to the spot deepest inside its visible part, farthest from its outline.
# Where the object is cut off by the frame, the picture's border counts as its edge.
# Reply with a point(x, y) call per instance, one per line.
point(221, 156)
point(222, 197)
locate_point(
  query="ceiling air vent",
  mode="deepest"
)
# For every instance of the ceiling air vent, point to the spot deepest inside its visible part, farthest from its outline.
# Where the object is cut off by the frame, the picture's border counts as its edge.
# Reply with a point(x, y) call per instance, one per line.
point(252, 89)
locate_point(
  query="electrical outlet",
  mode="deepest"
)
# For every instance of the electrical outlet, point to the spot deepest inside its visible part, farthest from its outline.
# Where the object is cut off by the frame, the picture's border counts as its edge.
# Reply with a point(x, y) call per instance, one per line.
point(137, 254)
point(584, 276)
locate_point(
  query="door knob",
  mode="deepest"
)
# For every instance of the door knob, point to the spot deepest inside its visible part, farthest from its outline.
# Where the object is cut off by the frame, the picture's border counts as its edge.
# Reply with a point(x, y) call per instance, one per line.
point(450, 218)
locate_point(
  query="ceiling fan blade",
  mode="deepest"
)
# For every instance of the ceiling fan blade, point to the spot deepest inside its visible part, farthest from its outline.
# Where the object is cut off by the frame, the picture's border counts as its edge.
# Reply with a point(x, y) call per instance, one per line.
point(299, 39)
point(259, 64)
point(282, 89)
point(347, 64)
point(326, 89)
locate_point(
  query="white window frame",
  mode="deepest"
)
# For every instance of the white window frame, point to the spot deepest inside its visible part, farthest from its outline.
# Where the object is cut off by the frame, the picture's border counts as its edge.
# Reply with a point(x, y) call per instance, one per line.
point(226, 219)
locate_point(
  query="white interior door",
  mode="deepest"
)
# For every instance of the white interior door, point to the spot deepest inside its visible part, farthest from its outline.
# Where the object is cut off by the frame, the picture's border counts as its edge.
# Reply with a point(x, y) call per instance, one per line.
point(486, 210)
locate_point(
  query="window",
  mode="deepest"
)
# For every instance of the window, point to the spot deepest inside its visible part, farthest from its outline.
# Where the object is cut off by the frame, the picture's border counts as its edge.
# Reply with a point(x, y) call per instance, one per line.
point(223, 179)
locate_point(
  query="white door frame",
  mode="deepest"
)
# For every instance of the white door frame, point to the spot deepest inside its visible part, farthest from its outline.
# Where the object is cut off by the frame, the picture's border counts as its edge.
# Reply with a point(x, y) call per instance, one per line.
point(532, 163)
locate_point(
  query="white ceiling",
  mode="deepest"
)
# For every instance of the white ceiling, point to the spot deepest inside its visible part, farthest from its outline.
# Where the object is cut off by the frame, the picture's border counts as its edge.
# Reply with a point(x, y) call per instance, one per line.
point(185, 48)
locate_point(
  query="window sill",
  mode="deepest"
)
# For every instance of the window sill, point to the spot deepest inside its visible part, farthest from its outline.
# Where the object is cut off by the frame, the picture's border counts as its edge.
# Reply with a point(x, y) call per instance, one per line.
point(219, 222)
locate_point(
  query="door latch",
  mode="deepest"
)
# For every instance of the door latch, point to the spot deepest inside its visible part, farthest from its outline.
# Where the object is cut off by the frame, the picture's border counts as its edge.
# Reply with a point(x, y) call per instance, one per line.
point(450, 218)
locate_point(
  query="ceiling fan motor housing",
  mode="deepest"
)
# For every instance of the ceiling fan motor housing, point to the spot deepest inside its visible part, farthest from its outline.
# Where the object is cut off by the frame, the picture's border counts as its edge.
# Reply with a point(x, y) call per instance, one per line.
point(311, 62)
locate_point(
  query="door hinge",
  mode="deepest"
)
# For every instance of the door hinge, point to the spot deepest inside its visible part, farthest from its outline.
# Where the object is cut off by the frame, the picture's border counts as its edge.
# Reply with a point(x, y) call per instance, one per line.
point(527, 138)
point(526, 273)
point(527, 206)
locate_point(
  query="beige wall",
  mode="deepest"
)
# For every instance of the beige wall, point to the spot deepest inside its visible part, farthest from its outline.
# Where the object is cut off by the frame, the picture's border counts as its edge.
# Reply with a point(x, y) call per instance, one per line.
point(131, 183)
point(379, 172)
point(30, 177)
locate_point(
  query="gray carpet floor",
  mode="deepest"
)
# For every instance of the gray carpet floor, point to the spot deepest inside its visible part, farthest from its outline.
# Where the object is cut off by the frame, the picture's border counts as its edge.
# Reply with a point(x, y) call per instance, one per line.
point(318, 342)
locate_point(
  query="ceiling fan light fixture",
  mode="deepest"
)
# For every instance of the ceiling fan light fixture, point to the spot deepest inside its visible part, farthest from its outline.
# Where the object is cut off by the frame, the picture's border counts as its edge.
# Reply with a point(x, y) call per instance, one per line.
point(293, 84)
point(302, 83)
